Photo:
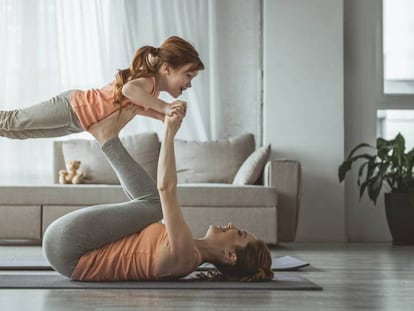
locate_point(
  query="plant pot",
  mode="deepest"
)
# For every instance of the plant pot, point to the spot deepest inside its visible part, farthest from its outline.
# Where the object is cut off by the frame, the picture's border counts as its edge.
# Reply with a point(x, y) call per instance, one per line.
point(400, 218)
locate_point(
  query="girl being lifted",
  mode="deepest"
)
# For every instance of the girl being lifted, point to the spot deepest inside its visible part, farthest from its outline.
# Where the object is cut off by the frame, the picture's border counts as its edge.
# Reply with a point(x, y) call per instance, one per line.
point(169, 68)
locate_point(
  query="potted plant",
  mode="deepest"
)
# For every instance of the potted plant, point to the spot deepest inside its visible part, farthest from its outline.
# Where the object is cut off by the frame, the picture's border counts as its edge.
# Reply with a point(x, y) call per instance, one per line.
point(389, 166)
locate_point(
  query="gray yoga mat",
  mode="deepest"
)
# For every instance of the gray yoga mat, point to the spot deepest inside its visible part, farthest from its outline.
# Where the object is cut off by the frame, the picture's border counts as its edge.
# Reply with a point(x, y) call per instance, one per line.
point(54, 280)
point(284, 263)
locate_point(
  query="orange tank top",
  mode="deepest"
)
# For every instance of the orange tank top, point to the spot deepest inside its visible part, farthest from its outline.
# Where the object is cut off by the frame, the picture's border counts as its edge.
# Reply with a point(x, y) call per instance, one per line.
point(133, 258)
point(93, 105)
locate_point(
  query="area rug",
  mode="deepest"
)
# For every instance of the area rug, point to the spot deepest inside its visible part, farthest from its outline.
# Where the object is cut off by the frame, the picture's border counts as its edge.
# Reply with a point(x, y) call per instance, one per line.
point(56, 281)
point(284, 263)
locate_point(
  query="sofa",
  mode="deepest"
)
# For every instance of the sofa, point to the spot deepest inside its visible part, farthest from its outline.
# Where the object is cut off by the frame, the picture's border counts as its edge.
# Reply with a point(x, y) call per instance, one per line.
point(221, 181)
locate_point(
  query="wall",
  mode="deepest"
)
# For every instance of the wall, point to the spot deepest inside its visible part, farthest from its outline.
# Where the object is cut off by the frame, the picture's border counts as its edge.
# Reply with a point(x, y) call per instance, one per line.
point(239, 67)
point(303, 105)
point(320, 64)
point(365, 222)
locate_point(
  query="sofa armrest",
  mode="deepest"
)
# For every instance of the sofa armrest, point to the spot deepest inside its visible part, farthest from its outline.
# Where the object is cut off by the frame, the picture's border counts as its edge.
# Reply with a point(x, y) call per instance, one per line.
point(286, 177)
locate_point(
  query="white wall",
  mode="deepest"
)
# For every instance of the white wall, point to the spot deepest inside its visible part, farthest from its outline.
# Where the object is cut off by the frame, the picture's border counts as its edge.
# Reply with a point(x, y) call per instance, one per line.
point(239, 67)
point(365, 222)
point(314, 110)
point(303, 105)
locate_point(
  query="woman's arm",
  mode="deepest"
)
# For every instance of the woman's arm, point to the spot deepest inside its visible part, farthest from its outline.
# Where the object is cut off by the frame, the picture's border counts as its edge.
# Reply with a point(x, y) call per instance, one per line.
point(179, 234)
point(139, 92)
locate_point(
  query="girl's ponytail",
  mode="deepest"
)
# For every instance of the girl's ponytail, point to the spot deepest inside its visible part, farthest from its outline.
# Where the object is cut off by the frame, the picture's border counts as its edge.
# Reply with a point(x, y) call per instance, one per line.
point(174, 51)
point(145, 64)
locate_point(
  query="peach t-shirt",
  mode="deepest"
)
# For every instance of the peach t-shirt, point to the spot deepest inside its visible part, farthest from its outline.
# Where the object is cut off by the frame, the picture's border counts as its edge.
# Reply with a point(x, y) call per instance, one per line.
point(93, 105)
point(131, 258)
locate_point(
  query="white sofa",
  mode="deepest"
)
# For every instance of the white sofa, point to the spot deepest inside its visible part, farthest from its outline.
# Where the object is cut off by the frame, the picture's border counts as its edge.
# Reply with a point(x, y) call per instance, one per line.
point(212, 188)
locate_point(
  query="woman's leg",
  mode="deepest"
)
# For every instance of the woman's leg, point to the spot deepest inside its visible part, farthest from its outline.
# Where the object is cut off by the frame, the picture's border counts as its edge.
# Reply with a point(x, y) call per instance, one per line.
point(50, 118)
point(75, 234)
point(135, 181)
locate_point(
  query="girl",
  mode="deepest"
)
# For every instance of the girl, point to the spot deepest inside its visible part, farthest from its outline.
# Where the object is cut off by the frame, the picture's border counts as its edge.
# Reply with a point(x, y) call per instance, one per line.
point(169, 68)
point(126, 242)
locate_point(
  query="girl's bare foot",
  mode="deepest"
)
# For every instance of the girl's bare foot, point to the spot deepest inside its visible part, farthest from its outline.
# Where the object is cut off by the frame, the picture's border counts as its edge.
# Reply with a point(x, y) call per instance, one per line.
point(110, 127)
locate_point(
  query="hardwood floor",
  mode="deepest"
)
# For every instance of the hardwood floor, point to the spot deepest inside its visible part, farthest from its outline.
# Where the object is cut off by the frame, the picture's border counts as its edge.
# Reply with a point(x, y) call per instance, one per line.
point(354, 277)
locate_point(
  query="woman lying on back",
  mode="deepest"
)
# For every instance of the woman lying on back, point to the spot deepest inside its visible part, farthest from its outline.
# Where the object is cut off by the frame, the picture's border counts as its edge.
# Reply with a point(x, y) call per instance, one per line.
point(127, 242)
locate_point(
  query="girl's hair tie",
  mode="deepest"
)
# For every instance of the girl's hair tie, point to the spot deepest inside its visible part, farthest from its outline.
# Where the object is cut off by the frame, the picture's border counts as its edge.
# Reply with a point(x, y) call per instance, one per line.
point(152, 58)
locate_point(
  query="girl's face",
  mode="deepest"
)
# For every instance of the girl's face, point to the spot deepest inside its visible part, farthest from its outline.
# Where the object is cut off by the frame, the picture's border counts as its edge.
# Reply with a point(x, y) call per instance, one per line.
point(229, 236)
point(178, 80)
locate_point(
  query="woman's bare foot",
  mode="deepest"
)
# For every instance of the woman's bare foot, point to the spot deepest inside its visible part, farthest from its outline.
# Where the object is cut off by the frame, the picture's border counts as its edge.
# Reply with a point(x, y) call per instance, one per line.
point(110, 127)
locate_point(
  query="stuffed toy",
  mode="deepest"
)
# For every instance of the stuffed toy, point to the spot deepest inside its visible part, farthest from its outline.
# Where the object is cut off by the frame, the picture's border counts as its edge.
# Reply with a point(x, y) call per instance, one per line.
point(71, 174)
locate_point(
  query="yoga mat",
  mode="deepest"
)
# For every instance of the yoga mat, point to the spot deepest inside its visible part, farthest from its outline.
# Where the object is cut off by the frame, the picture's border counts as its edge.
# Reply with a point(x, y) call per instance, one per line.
point(49, 281)
point(285, 263)
point(24, 264)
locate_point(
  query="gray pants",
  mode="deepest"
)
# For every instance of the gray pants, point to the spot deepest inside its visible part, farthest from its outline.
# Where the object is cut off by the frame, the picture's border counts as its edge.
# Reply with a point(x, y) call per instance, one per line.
point(74, 234)
point(51, 118)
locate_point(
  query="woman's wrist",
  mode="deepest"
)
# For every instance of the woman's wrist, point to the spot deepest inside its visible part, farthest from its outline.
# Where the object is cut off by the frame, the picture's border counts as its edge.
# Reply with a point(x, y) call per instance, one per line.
point(169, 133)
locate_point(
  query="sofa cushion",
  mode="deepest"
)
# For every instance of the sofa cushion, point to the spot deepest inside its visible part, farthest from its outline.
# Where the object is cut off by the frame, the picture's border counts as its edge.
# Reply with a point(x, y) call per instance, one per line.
point(83, 195)
point(144, 148)
point(251, 169)
point(226, 195)
point(189, 195)
point(212, 161)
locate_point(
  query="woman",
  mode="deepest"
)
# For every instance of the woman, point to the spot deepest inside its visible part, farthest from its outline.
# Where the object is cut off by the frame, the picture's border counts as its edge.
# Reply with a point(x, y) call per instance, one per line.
point(127, 242)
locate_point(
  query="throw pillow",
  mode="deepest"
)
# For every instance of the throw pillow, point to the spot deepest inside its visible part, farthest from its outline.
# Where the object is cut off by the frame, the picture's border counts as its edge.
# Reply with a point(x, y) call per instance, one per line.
point(251, 169)
point(144, 148)
point(212, 161)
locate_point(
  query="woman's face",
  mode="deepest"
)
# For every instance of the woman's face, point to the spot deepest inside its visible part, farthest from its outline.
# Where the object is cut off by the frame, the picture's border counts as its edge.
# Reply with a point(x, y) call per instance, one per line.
point(178, 80)
point(229, 236)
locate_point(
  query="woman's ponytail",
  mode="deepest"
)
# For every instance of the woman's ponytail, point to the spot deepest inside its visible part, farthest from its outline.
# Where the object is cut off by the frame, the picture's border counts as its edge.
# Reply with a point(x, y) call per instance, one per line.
point(254, 264)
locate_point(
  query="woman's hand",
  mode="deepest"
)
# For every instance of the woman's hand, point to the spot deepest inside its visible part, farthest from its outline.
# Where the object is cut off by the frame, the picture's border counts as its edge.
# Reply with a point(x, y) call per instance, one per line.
point(178, 104)
point(181, 105)
point(174, 119)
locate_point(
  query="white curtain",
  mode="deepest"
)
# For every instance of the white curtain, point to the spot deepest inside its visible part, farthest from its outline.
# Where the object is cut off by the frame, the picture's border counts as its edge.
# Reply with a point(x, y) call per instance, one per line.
point(49, 46)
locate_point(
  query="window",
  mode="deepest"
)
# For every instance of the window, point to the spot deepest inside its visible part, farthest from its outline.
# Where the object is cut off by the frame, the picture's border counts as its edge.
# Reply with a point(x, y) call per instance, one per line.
point(392, 122)
point(398, 46)
point(395, 79)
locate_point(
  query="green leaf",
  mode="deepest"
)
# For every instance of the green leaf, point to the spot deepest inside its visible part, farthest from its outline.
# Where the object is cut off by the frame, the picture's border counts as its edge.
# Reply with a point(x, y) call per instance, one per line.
point(360, 172)
point(363, 145)
point(399, 145)
point(362, 188)
point(383, 147)
point(374, 188)
point(381, 143)
point(347, 164)
point(366, 156)
point(343, 169)
point(390, 167)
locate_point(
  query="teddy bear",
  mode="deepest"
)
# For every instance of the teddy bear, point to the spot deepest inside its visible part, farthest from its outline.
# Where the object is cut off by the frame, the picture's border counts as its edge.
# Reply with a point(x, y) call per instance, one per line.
point(71, 174)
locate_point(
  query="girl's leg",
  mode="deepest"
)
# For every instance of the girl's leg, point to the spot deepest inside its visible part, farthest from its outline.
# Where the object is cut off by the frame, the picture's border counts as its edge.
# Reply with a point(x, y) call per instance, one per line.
point(51, 118)
point(76, 233)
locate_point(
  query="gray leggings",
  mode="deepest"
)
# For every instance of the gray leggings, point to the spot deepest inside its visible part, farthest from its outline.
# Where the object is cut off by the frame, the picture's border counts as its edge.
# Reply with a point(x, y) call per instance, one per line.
point(51, 118)
point(74, 234)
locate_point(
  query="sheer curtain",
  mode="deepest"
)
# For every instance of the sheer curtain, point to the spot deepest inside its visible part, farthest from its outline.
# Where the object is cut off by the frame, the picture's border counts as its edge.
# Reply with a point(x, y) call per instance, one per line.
point(50, 46)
